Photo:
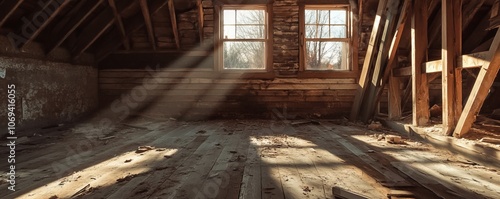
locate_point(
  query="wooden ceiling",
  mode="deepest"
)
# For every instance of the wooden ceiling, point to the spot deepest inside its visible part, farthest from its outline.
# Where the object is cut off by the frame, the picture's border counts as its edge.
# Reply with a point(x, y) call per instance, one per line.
point(103, 26)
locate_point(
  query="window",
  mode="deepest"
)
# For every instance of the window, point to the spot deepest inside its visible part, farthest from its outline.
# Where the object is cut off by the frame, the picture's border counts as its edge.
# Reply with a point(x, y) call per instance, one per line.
point(326, 35)
point(244, 37)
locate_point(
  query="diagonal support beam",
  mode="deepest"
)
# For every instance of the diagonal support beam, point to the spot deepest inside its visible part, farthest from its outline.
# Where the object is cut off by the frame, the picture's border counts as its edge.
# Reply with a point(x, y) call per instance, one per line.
point(119, 23)
point(51, 8)
point(451, 75)
point(7, 8)
point(173, 19)
point(147, 20)
point(64, 29)
point(483, 83)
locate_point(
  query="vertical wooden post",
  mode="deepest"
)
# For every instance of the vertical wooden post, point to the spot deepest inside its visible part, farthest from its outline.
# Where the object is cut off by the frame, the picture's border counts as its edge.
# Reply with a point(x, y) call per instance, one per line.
point(420, 86)
point(394, 97)
point(451, 74)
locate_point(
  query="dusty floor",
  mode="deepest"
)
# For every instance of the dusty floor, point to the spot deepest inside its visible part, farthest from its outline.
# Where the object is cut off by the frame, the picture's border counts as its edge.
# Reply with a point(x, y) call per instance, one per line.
point(237, 159)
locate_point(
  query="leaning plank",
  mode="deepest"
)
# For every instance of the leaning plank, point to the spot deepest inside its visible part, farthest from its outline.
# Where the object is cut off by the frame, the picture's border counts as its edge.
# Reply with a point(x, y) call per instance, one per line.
point(368, 62)
point(173, 20)
point(484, 80)
point(420, 87)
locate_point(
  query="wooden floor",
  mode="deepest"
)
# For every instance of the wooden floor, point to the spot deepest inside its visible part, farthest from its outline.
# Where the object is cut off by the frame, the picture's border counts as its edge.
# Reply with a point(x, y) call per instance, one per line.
point(237, 159)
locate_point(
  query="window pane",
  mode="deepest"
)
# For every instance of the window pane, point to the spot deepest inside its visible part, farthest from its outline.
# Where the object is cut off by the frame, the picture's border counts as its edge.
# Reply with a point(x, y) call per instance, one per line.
point(229, 16)
point(310, 16)
point(326, 55)
point(244, 55)
point(323, 17)
point(337, 32)
point(229, 31)
point(250, 32)
point(338, 17)
point(250, 17)
point(311, 31)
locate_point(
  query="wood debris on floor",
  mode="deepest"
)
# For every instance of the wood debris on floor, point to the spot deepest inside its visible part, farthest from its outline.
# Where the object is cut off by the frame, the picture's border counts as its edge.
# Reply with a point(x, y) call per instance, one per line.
point(245, 159)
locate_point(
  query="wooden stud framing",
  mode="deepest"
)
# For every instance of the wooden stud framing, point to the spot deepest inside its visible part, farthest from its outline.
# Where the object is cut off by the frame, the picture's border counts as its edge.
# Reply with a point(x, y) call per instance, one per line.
point(64, 30)
point(48, 20)
point(119, 23)
point(483, 83)
point(173, 19)
point(147, 20)
point(473, 60)
point(420, 87)
point(451, 75)
point(370, 55)
point(201, 19)
point(7, 8)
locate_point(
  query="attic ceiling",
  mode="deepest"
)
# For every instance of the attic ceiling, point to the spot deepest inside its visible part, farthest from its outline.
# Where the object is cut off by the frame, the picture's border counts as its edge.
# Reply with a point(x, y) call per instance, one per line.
point(101, 27)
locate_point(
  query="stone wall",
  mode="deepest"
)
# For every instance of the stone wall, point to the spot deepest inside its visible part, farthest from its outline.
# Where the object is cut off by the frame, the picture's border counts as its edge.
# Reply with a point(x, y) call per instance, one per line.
point(285, 37)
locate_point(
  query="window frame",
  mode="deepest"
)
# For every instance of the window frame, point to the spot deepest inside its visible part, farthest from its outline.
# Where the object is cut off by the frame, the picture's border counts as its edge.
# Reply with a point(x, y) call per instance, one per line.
point(350, 37)
point(220, 37)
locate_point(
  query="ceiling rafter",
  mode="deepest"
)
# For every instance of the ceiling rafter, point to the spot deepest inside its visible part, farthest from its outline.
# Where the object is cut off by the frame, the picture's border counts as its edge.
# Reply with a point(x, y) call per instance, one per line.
point(49, 19)
point(95, 29)
point(147, 19)
point(119, 24)
point(7, 8)
point(64, 30)
point(135, 23)
point(173, 19)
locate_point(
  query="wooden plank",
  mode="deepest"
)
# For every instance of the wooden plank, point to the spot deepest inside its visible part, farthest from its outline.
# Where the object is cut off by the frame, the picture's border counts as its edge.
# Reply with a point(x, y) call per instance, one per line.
point(148, 23)
point(470, 8)
point(420, 88)
point(451, 76)
point(368, 62)
point(473, 60)
point(173, 20)
point(201, 19)
point(119, 23)
point(394, 109)
point(484, 80)
point(47, 21)
point(7, 8)
point(65, 30)
point(251, 182)
point(370, 100)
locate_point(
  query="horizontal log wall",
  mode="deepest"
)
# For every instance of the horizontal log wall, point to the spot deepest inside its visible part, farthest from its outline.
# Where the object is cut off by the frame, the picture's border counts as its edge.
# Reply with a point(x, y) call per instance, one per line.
point(205, 94)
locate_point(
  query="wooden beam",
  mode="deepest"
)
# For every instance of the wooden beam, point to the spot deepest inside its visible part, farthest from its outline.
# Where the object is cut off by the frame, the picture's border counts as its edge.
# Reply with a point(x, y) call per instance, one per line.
point(473, 60)
point(201, 19)
point(147, 20)
point(52, 14)
point(7, 8)
point(119, 23)
point(370, 101)
point(451, 77)
point(477, 35)
point(479, 92)
point(93, 31)
point(420, 87)
point(135, 23)
point(370, 55)
point(173, 19)
point(64, 29)
point(394, 102)
point(470, 8)
point(402, 72)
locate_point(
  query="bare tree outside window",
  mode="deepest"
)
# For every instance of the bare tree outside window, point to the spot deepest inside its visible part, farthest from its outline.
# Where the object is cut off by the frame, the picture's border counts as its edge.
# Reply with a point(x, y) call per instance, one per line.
point(243, 38)
point(326, 36)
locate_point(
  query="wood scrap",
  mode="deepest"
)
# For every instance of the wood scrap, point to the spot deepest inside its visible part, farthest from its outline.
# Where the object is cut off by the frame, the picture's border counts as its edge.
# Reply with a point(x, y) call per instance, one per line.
point(490, 140)
point(394, 139)
point(80, 192)
point(297, 123)
point(106, 138)
point(346, 194)
point(142, 149)
point(399, 193)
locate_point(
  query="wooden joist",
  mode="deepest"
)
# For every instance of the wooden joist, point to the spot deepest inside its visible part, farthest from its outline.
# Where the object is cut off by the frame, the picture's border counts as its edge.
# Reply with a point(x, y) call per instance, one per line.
point(173, 20)
point(7, 8)
point(420, 86)
point(451, 76)
point(53, 13)
point(483, 83)
point(369, 60)
point(473, 60)
point(148, 23)
point(65, 28)
point(119, 23)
